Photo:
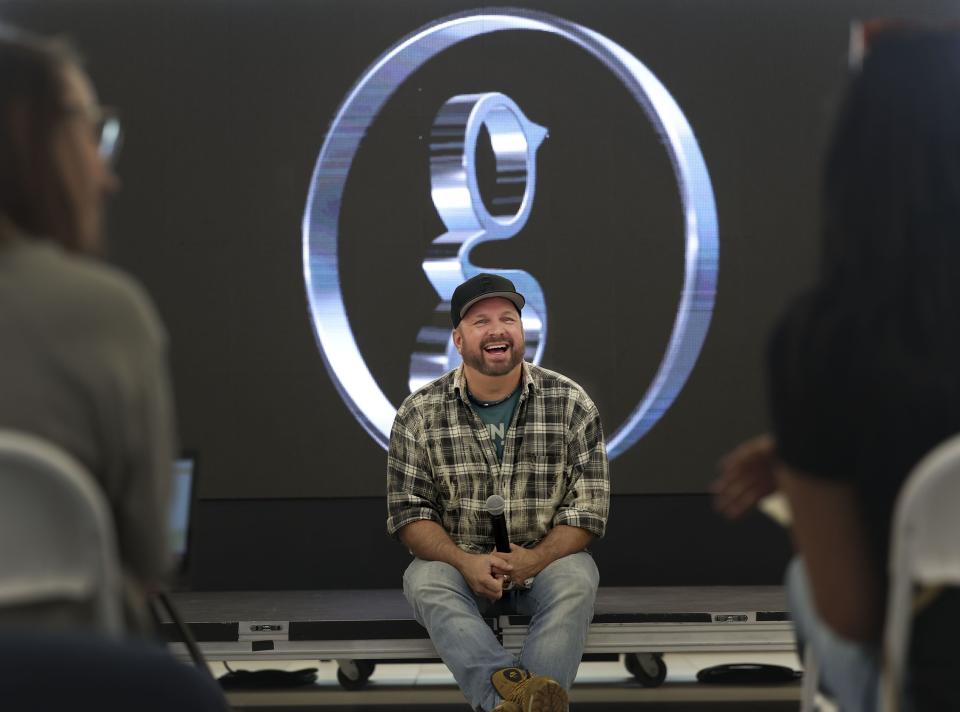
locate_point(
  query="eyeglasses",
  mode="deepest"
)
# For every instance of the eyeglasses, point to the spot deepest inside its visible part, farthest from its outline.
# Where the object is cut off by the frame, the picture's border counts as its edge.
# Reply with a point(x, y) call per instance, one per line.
point(106, 129)
point(109, 135)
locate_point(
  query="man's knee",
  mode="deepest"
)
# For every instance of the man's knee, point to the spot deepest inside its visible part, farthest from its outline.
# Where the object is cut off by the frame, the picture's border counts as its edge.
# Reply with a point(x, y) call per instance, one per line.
point(578, 570)
point(423, 578)
point(574, 578)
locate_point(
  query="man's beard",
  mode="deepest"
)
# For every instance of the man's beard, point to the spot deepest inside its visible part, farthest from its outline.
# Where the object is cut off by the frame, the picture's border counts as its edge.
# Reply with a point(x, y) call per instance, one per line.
point(475, 357)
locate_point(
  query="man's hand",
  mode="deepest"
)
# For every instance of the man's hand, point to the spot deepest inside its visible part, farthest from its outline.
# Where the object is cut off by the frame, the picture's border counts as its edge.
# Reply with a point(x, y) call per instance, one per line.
point(484, 573)
point(747, 475)
point(560, 541)
point(525, 563)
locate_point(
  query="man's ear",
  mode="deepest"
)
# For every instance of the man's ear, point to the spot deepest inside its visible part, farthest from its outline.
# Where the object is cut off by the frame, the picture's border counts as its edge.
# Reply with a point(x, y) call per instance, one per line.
point(457, 339)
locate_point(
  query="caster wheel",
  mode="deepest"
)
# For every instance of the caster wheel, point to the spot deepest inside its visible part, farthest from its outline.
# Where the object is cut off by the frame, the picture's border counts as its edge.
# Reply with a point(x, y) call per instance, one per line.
point(647, 668)
point(353, 674)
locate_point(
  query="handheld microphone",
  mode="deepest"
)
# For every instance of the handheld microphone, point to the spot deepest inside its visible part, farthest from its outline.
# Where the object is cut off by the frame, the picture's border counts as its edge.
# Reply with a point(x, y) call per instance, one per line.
point(495, 506)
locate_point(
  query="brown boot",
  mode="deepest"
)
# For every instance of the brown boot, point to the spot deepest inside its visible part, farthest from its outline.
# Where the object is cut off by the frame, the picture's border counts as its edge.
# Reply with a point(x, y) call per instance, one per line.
point(528, 692)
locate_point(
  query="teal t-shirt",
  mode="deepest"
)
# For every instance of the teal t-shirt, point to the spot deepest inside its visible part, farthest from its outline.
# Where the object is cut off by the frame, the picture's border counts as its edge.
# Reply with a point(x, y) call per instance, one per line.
point(496, 416)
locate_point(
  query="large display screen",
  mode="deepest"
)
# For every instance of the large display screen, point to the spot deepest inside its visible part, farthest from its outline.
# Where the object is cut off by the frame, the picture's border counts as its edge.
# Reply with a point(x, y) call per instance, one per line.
point(304, 184)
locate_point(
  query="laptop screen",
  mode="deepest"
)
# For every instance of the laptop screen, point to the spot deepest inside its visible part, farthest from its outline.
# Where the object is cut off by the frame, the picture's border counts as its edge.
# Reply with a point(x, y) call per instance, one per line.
point(184, 472)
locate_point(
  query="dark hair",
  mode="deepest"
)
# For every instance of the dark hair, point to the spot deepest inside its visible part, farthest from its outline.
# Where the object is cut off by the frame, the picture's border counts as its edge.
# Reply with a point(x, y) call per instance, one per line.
point(891, 204)
point(32, 194)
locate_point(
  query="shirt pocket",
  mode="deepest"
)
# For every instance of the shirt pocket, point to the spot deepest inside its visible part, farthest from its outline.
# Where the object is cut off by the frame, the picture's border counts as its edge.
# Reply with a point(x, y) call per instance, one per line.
point(540, 475)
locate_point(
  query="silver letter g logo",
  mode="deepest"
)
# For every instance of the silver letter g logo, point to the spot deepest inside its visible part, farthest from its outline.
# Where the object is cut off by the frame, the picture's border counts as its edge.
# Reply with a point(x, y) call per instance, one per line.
point(469, 222)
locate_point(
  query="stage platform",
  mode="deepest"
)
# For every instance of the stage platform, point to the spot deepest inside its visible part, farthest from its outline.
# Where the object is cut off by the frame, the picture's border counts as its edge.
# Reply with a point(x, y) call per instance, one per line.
point(360, 628)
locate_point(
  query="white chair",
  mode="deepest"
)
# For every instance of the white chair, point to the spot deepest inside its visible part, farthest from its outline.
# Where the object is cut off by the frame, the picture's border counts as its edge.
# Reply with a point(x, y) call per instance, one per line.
point(57, 541)
point(925, 549)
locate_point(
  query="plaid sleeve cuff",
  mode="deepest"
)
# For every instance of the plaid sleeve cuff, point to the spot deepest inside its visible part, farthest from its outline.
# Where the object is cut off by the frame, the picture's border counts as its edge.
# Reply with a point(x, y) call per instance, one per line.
point(396, 522)
point(593, 523)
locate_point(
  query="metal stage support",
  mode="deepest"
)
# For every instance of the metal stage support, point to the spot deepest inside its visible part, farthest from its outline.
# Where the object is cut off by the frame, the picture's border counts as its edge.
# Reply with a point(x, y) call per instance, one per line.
point(361, 628)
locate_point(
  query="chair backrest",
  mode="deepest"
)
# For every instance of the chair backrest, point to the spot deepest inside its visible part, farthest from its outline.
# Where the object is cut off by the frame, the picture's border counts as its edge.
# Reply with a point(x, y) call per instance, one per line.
point(57, 541)
point(925, 549)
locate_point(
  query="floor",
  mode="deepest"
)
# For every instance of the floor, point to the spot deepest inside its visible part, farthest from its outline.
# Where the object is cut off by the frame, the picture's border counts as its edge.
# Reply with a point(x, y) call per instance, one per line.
point(600, 686)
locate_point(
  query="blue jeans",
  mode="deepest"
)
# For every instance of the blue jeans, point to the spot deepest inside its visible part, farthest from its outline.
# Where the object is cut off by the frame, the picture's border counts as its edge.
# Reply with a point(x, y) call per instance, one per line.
point(849, 672)
point(560, 604)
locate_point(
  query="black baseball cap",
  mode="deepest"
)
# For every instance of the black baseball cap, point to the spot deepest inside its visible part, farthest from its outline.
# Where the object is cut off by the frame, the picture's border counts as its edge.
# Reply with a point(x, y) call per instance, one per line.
point(482, 286)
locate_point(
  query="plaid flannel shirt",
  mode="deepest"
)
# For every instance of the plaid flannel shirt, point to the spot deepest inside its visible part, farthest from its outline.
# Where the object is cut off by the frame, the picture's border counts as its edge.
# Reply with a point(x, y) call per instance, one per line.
point(442, 464)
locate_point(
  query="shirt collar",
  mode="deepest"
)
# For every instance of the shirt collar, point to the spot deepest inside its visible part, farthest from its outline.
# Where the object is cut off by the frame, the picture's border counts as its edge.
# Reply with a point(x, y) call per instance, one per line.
point(458, 384)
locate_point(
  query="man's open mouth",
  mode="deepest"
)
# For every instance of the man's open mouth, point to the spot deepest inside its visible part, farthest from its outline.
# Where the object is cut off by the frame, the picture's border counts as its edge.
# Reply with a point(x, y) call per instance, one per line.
point(497, 348)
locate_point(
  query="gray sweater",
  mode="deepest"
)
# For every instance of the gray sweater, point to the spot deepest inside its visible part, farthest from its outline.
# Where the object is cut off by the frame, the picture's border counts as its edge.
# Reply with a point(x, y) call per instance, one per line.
point(83, 364)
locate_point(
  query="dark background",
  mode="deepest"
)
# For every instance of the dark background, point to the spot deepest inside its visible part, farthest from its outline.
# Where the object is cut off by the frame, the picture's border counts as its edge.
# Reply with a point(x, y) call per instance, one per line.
point(226, 104)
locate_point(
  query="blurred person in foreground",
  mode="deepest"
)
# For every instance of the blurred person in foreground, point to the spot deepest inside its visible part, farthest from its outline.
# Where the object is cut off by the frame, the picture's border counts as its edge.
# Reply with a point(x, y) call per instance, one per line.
point(82, 351)
point(864, 368)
